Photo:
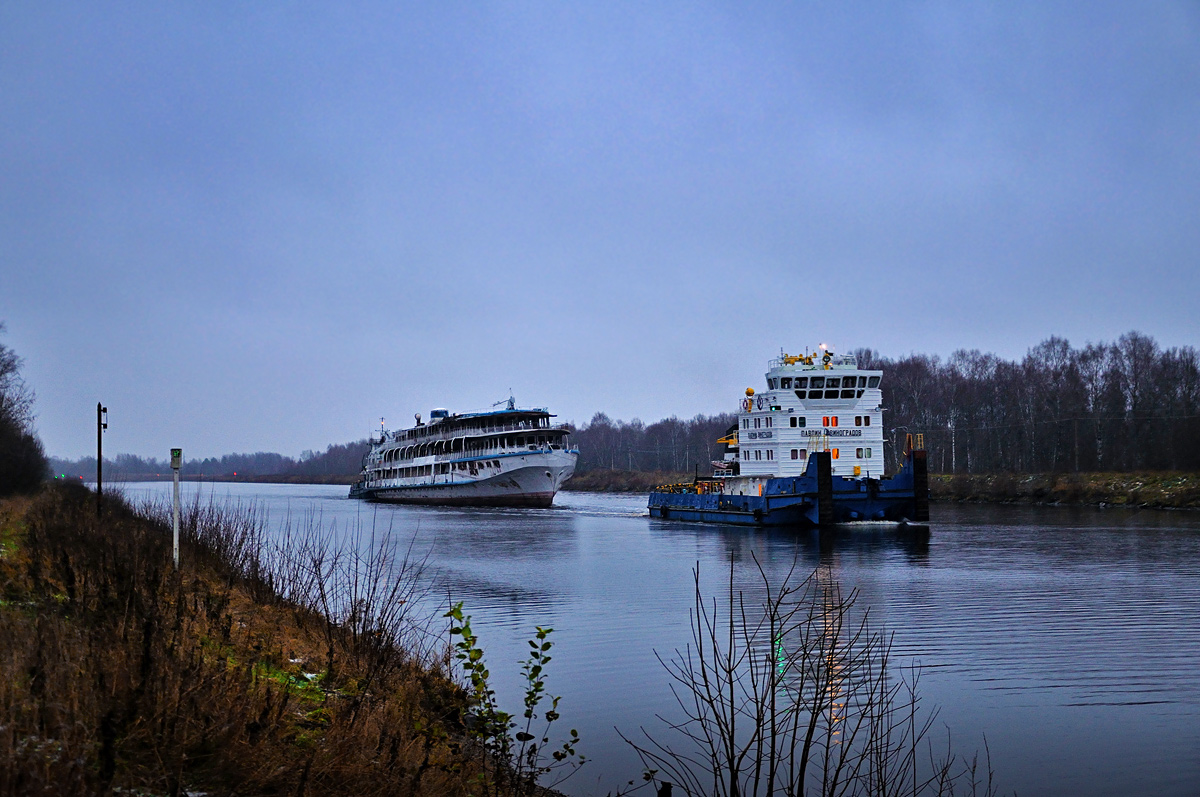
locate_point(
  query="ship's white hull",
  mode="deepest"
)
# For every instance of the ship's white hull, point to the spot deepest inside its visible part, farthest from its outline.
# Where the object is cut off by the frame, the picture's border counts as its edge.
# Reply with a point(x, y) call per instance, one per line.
point(524, 480)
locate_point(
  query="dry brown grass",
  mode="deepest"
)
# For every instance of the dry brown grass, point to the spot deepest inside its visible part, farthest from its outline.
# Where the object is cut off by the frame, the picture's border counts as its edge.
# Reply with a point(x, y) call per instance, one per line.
point(119, 673)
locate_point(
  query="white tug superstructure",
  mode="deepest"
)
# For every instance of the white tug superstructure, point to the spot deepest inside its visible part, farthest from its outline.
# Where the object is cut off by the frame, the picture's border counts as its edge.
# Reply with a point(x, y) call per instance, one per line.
point(507, 457)
point(813, 402)
point(807, 451)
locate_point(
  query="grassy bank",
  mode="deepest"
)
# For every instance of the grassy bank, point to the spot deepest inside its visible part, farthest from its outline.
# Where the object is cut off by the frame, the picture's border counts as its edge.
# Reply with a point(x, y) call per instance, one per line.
point(290, 671)
point(622, 481)
point(1160, 490)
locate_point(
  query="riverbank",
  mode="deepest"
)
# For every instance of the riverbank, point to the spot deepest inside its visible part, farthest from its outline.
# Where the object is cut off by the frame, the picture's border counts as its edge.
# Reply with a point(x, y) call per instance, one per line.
point(1146, 489)
point(622, 481)
point(237, 673)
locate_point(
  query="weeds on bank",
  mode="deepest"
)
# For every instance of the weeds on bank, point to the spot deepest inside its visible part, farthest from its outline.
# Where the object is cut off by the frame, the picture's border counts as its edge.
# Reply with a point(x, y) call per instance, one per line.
point(294, 664)
point(515, 757)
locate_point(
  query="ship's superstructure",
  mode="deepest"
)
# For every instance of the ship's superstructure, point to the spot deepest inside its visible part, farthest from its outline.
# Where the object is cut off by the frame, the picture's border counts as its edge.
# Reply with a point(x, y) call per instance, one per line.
point(813, 402)
point(807, 450)
point(506, 457)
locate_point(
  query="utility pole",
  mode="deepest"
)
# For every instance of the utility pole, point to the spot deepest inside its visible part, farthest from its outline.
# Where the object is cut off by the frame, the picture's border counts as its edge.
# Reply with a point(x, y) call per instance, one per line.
point(101, 425)
point(176, 463)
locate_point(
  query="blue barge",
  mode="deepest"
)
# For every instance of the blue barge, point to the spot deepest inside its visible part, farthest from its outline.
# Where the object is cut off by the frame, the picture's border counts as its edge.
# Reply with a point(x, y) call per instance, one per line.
point(818, 498)
point(807, 451)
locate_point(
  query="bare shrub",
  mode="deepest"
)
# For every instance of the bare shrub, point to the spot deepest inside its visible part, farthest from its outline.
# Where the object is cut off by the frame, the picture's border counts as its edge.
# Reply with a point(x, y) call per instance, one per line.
point(796, 697)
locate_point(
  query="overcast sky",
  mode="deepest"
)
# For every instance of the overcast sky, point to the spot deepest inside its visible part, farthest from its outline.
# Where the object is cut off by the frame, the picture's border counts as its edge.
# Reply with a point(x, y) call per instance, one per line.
point(250, 226)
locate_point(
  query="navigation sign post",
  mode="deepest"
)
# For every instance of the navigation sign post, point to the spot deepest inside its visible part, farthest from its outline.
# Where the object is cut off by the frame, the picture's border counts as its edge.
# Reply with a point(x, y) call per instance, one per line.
point(176, 464)
point(101, 426)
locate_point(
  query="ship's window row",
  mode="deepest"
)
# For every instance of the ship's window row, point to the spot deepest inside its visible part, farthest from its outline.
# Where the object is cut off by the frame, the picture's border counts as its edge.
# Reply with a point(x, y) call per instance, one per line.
point(828, 394)
point(800, 421)
point(458, 444)
point(416, 471)
point(822, 382)
point(862, 453)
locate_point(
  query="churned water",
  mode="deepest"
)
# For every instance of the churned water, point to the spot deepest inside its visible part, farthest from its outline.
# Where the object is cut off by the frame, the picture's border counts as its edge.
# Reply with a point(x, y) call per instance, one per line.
point(1069, 638)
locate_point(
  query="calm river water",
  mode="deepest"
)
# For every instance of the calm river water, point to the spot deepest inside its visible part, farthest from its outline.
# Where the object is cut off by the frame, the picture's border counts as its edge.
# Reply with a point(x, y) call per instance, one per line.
point(1070, 638)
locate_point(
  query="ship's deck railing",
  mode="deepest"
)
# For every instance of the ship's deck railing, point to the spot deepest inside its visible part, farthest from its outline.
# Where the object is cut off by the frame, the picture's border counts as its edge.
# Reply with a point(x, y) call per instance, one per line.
point(450, 456)
point(403, 442)
point(837, 361)
point(701, 487)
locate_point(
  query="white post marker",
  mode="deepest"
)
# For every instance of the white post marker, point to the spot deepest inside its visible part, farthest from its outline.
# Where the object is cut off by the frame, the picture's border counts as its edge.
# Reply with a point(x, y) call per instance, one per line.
point(176, 463)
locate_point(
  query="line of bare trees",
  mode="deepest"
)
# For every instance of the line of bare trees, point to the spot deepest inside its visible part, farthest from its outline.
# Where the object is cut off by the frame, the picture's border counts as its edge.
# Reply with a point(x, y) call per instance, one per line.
point(668, 445)
point(22, 459)
point(1128, 405)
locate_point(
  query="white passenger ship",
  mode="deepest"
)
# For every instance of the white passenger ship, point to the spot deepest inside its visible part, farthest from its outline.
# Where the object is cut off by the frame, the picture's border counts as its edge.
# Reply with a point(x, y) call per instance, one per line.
point(507, 457)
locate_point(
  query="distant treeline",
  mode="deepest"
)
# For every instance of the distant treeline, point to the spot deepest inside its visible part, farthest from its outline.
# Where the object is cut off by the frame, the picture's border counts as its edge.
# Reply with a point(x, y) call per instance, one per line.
point(340, 459)
point(1124, 406)
point(668, 445)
